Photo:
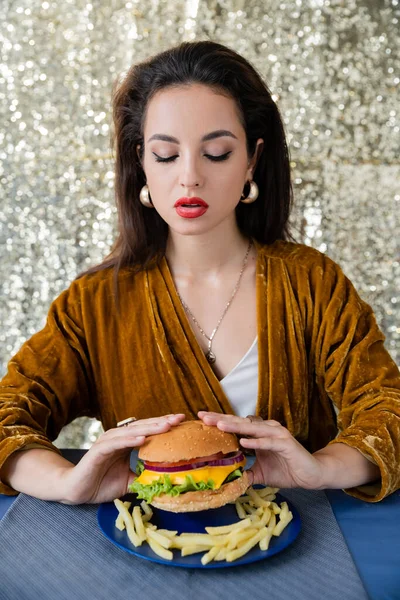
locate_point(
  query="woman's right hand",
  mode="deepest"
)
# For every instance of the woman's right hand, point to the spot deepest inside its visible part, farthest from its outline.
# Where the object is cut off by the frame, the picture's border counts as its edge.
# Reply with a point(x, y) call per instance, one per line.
point(104, 473)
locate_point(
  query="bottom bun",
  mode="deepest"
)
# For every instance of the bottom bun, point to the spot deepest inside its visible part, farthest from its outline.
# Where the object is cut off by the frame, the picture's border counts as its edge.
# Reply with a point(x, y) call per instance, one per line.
point(195, 501)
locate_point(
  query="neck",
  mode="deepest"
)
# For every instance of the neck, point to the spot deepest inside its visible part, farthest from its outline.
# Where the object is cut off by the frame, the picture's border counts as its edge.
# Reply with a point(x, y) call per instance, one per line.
point(208, 254)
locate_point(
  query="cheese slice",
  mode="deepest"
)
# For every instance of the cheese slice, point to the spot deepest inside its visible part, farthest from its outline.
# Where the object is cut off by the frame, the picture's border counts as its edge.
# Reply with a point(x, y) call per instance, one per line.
point(217, 474)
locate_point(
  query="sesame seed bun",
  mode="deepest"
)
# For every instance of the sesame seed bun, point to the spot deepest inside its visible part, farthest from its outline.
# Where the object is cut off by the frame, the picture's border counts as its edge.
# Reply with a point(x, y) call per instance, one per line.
point(186, 441)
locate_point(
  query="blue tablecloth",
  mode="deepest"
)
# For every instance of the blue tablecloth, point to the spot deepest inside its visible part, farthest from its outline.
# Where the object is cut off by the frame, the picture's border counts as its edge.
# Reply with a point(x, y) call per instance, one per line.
point(371, 531)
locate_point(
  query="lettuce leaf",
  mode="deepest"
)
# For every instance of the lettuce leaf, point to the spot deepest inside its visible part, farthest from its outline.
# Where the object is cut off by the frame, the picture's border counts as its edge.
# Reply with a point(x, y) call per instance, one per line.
point(234, 475)
point(139, 467)
point(163, 485)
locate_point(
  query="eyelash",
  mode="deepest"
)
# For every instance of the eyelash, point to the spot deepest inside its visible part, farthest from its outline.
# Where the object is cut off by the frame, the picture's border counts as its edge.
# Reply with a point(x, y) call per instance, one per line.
point(219, 158)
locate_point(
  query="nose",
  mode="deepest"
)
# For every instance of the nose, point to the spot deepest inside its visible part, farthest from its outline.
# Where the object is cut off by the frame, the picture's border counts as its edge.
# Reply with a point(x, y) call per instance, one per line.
point(190, 174)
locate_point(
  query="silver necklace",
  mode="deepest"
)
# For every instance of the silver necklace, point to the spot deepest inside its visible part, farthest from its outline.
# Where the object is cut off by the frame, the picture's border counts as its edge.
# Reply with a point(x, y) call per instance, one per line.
point(210, 356)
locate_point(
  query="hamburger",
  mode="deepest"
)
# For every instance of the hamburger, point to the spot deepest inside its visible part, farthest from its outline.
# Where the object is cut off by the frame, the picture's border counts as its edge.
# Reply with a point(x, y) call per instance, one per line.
point(189, 468)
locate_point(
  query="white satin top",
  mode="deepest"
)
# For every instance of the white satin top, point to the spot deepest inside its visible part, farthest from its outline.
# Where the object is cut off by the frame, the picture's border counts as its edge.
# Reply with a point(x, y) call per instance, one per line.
point(241, 384)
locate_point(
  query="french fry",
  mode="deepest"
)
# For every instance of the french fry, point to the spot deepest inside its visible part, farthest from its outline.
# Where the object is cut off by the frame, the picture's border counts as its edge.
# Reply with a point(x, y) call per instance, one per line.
point(162, 540)
point(267, 491)
point(119, 523)
point(239, 537)
point(283, 519)
point(167, 532)
point(243, 499)
point(196, 539)
point(272, 523)
point(284, 510)
point(228, 528)
point(264, 542)
point(158, 549)
point(264, 520)
point(148, 513)
point(130, 530)
point(246, 547)
point(260, 519)
point(210, 555)
point(248, 508)
point(222, 553)
point(282, 524)
point(256, 516)
point(146, 508)
point(137, 519)
point(187, 550)
point(146, 518)
point(275, 508)
point(256, 498)
point(240, 510)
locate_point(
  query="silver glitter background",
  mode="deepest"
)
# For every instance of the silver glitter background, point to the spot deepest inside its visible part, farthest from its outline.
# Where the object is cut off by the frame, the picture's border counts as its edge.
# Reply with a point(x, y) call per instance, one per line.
point(333, 67)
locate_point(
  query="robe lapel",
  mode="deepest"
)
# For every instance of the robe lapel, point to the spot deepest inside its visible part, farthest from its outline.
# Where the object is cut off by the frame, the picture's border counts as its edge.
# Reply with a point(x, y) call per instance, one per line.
point(182, 352)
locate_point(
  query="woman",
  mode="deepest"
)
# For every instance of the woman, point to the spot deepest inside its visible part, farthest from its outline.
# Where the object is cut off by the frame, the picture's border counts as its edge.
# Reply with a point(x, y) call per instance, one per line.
point(203, 309)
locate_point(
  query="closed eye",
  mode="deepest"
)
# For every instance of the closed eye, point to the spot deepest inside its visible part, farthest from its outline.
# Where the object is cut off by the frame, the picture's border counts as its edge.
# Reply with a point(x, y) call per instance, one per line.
point(211, 157)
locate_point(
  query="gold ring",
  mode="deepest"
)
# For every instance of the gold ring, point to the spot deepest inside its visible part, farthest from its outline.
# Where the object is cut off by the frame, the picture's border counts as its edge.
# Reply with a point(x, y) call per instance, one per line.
point(126, 421)
point(253, 418)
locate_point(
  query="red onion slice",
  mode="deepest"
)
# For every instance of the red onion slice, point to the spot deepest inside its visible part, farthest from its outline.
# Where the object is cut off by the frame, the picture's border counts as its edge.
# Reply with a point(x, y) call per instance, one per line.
point(223, 462)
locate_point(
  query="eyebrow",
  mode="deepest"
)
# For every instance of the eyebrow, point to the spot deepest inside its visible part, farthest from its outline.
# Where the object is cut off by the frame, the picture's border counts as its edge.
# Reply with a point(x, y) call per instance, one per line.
point(209, 136)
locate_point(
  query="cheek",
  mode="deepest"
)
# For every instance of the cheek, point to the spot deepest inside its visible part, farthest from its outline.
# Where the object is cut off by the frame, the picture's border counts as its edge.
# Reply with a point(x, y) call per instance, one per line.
point(231, 178)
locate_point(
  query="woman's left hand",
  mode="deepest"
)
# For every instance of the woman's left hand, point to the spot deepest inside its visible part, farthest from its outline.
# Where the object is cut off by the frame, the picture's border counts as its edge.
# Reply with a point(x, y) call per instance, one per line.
point(281, 461)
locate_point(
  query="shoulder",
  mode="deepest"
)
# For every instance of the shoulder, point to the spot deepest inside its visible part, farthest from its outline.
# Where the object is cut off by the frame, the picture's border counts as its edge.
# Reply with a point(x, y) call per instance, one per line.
point(96, 291)
point(106, 279)
point(309, 274)
point(297, 256)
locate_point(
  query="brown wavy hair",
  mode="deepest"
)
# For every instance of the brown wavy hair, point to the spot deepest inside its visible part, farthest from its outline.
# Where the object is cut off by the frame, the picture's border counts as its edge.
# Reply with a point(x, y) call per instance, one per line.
point(142, 233)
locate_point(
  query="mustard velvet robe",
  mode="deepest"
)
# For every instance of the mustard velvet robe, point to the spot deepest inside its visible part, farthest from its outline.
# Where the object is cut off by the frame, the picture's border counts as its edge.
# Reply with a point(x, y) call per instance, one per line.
point(323, 370)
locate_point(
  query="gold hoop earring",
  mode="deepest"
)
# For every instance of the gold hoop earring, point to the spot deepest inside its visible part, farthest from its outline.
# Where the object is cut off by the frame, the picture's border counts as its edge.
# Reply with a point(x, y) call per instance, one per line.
point(144, 197)
point(253, 194)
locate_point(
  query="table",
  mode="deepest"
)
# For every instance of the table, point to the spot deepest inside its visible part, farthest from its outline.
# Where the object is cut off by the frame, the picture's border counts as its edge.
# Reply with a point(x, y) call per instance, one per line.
point(371, 531)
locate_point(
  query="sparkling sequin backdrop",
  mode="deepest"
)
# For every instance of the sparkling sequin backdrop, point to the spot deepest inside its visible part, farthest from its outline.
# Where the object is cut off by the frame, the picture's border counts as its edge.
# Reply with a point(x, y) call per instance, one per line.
point(333, 67)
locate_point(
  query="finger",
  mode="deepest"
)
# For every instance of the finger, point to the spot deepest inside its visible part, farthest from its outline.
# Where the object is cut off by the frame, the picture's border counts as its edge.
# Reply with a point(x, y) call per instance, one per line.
point(177, 417)
point(112, 445)
point(138, 428)
point(252, 418)
point(215, 415)
point(276, 444)
point(250, 475)
point(99, 454)
point(256, 429)
point(206, 413)
point(256, 475)
point(171, 418)
point(131, 478)
point(210, 418)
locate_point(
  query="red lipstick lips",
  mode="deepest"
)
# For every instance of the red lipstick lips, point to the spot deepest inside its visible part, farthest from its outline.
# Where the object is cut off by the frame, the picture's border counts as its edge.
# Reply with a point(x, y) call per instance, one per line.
point(190, 208)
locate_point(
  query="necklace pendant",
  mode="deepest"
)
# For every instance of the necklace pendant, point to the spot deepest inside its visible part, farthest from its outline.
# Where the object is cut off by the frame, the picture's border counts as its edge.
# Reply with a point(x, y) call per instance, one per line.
point(210, 356)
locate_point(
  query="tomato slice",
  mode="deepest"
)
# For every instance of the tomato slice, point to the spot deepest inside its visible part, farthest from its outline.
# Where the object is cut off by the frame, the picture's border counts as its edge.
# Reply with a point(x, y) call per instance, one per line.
point(185, 462)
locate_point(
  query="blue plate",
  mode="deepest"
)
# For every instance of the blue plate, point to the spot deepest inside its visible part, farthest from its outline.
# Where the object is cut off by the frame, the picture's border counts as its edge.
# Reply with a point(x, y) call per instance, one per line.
point(194, 523)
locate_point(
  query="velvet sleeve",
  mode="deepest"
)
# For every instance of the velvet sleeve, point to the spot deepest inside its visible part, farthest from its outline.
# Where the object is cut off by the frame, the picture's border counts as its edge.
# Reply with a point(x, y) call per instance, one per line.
point(361, 379)
point(48, 383)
